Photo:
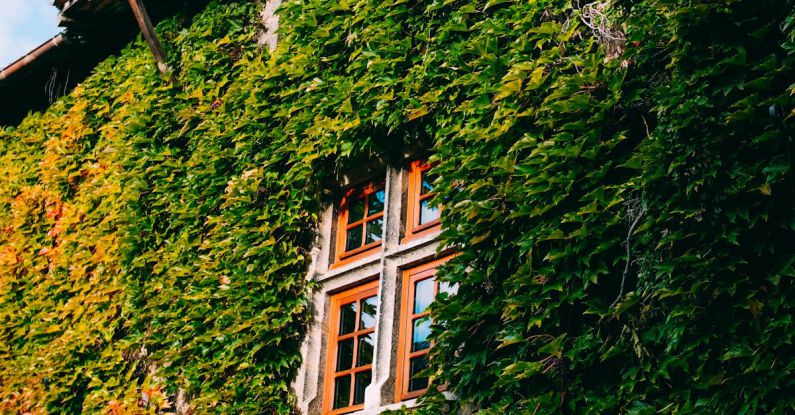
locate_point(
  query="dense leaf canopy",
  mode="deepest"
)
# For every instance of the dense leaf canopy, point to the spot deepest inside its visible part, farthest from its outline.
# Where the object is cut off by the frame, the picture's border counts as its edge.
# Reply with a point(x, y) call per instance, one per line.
point(620, 197)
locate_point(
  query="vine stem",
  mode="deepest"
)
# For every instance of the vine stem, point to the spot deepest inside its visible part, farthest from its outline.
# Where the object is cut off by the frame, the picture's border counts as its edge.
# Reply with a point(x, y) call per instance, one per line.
point(629, 255)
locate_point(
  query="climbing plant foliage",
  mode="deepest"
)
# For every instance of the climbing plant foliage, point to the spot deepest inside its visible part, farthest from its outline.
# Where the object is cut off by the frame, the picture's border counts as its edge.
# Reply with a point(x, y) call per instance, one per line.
point(153, 237)
point(620, 197)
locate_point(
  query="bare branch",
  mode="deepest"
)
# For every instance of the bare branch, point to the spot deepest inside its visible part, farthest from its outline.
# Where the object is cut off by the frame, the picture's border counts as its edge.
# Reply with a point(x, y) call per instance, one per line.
point(593, 16)
point(634, 213)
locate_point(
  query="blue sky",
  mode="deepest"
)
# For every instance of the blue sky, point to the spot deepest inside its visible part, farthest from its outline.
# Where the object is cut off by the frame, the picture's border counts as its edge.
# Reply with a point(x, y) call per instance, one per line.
point(25, 24)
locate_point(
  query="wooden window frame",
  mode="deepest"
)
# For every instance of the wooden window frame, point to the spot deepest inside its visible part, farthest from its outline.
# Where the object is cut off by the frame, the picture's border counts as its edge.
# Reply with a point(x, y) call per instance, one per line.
point(411, 277)
point(414, 229)
point(341, 257)
point(356, 294)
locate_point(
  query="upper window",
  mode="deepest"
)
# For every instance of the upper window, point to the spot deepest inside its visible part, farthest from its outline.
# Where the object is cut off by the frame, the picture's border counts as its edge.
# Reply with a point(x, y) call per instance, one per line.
point(360, 223)
point(419, 290)
point(349, 362)
point(422, 215)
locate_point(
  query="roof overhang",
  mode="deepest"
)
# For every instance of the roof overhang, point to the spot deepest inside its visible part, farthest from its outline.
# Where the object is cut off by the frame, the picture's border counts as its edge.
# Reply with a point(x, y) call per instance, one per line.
point(93, 30)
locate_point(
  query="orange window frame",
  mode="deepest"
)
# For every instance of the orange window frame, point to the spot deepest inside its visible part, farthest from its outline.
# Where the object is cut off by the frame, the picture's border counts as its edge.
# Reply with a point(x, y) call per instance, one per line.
point(407, 317)
point(354, 295)
point(342, 257)
point(415, 229)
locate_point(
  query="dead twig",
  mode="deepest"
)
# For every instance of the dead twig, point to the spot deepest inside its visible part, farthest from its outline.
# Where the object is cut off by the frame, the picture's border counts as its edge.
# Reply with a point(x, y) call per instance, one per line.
point(634, 206)
point(593, 15)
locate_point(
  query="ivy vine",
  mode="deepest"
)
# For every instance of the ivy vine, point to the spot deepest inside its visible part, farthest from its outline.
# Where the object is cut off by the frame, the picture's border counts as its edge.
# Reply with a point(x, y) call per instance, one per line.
point(621, 199)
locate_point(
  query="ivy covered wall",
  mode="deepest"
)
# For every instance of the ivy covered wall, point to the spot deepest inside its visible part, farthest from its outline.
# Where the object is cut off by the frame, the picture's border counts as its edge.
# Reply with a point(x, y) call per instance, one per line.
point(622, 202)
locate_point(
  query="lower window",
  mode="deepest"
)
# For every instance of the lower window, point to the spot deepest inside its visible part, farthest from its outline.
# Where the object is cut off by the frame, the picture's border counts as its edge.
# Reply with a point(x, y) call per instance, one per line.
point(419, 290)
point(351, 339)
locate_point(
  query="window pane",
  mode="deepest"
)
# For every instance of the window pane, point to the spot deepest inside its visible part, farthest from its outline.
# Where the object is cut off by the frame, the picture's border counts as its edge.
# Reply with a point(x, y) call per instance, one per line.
point(423, 295)
point(419, 337)
point(428, 212)
point(416, 365)
point(356, 210)
point(374, 230)
point(446, 287)
point(363, 379)
point(365, 351)
point(344, 354)
point(347, 318)
point(368, 313)
point(353, 238)
point(427, 182)
point(342, 392)
point(375, 203)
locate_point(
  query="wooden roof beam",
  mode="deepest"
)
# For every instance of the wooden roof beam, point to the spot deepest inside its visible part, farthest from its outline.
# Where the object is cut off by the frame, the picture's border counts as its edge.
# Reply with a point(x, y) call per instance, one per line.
point(148, 31)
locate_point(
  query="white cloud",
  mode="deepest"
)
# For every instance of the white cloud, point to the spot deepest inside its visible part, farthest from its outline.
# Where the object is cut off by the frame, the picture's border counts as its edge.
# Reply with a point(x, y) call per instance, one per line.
point(24, 24)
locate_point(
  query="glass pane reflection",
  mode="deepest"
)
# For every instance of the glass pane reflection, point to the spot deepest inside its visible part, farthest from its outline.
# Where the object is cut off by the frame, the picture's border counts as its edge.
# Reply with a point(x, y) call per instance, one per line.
point(448, 288)
point(363, 380)
point(375, 203)
point(420, 333)
point(427, 182)
point(347, 318)
point(344, 354)
point(369, 307)
point(365, 351)
point(428, 212)
point(374, 230)
point(423, 295)
point(342, 392)
point(354, 238)
point(356, 210)
point(416, 365)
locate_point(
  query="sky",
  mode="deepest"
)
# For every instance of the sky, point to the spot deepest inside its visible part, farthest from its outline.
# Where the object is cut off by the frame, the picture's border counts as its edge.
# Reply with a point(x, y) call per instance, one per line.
point(25, 24)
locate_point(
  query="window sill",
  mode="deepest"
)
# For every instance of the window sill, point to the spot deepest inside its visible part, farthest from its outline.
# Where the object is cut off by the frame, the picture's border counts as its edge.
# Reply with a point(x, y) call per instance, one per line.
point(411, 403)
point(417, 241)
point(356, 264)
point(338, 269)
point(358, 254)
